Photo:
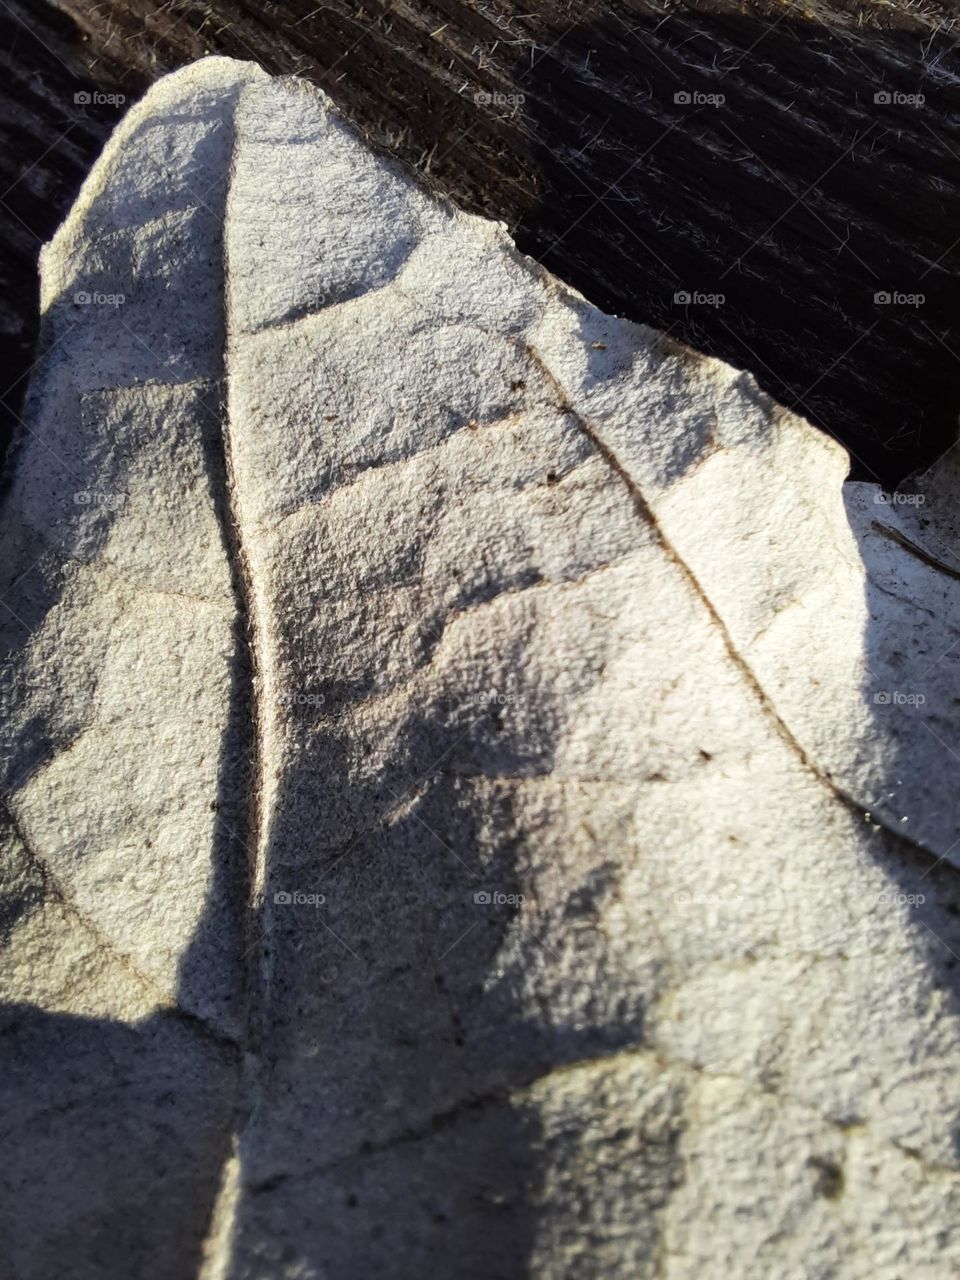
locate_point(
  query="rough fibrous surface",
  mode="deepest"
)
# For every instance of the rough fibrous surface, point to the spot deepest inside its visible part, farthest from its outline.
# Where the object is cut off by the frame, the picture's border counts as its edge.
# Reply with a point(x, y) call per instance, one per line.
point(477, 784)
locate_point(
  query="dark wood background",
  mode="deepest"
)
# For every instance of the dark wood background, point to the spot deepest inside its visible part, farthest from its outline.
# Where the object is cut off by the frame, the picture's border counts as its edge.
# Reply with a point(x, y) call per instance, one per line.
point(799, 197)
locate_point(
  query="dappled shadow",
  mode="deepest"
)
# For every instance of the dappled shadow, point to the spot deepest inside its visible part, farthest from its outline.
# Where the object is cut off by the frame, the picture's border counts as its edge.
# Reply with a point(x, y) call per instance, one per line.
point(392, 1024)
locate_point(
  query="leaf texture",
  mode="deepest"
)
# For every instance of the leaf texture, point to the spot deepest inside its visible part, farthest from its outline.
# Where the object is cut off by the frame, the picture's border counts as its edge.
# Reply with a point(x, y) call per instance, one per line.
point(477, 783)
